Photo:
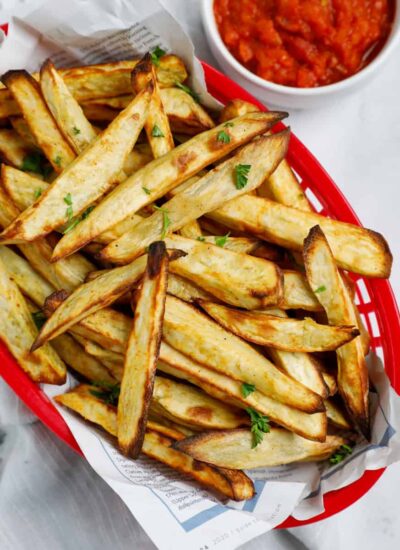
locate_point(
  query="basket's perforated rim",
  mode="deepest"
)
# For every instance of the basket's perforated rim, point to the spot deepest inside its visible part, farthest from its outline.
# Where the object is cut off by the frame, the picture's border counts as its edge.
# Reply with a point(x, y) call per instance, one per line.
point(375, 297)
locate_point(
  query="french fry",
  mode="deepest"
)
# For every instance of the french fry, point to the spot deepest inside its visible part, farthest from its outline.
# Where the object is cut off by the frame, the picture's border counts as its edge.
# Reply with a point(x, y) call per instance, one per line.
point(232, 448)
point(104, 355)
point(160, 176)
point(185, 115)
point(243, 245)
point(191, 230)
point(142, 353)
point(186, 290)
point(193, 407)
point(156, 126)
point(336, 415)
point(354, 248)
point(220, 386)
point(14, 149)
point(23, 188)
point(66, 110)
point(235, 108)
point(51, 141)
point(161, 426)
point(21, 127)
point(297, 293)
point(196, 335)
point(281, 333)
point(75, 357)
point(205, 195)
point(90, 297)
point(282, 186)
point(103, 80)
point(235, 278)
point(328, 286)
point(82, 183)
point(156, 446)
point(18, 331)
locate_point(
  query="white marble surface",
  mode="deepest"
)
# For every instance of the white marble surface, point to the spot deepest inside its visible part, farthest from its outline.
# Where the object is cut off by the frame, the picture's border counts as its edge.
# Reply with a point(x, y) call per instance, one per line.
point(50, 498)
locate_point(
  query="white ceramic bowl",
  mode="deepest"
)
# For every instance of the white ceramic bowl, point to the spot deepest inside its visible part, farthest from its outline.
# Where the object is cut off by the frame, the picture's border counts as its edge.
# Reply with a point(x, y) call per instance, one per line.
point(287, 96)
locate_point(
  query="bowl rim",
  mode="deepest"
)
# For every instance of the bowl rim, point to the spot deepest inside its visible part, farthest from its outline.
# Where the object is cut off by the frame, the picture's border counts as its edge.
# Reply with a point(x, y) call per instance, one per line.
point(211, 31)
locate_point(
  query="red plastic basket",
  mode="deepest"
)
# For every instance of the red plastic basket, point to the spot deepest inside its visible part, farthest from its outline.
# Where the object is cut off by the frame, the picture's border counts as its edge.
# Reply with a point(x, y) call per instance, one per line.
point(376, 303)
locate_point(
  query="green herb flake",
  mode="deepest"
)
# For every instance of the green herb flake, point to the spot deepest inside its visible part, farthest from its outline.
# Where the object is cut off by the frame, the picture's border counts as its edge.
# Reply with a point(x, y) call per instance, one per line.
point(166, 222)
point(58, 160)
point(259, 426)
point(223, 137)
point(343, 452)
point(76, 131)
point(33, 163)
point(86, 213)
point(321, 288)
point(38, 192)
point(39, 318)
point(108, 392)
point(156, 55)
point(201, 239)
point(241, 175)
point(156, 131)
point(221, 241)
point(146, 190)
point(229, 124)
point(68, 199)
point(189, 91)
point(247, 389)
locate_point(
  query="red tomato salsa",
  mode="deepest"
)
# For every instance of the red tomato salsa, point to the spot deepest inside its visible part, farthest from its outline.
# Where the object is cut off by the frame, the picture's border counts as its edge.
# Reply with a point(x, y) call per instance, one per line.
point(304, 43)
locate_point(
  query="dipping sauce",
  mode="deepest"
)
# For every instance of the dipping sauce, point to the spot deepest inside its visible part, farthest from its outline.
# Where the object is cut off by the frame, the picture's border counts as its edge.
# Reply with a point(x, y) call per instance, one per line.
point(304, 43)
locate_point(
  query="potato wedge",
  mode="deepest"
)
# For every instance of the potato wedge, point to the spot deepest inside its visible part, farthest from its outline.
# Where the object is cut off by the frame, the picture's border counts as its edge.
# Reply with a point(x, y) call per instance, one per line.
point(21, 127)
point(205, 195)
point(185, 115)
point(14, 150)
point(90, 297)
point(103, 80)
point(142, 353)
point(51, 141)
point(281, 333)
point(75, 357)
point(336, 415)
point(325, 279)
point(65, 109)
point(282, 186)
point(232, 448)
point(102, 354)
point(18, 332)
point(160, 176)
point(193, 407)
point(297, 293)
point(197, 336)
point(354, 248)
point(23, 188)
point(156, 126)
point(226, 482)
point(235, 108)
point(235, 278)
point(186, 290)
point(85, 181)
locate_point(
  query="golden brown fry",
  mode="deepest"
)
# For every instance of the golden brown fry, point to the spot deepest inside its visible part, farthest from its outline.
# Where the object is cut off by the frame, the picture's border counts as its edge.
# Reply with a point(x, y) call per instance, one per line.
point(21, 127)
point(193, 407)
point(23, 188)
point(18, 331)
point(142, 353)
point(235, 108)
point(186, 290)
point(160, 176)
point(14, 149)
point(66, 110)
point(185, 115)
point(235, 485)
point(235, 278)
point(281, 333)
point(82, 183)
point(208, 193)
point(354, 248)
point(336, 415)
point(232, 448)
point(282, 186)
point(297, 293)
point(51, 141)
point(197, 336)
point(156, 126)
point(328, 286)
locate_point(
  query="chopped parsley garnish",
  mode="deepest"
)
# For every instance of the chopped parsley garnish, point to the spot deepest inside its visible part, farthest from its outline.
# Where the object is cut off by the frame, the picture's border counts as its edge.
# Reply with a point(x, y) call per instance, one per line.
point(146, 190)
point(241, 175)
point(107, 392)
point(221, 241)
point(38, 192)
point(58, 160)
point(156, 54)
point(223, 137)
point(69, 211)
point(166, 222)
point(189, 91)
point(73, 222)
point(86, 213)
point(247, 389)
point(39, 318)
point(36, 163)
point(259, 426)
point(343, 452)
point(156, 132)
point(228, 124)
point(321, 288)
point(76, 131)
point(201, 239)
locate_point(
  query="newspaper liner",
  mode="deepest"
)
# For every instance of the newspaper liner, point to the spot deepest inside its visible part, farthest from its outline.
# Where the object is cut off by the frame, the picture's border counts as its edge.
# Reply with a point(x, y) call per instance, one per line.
point(187, 516)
